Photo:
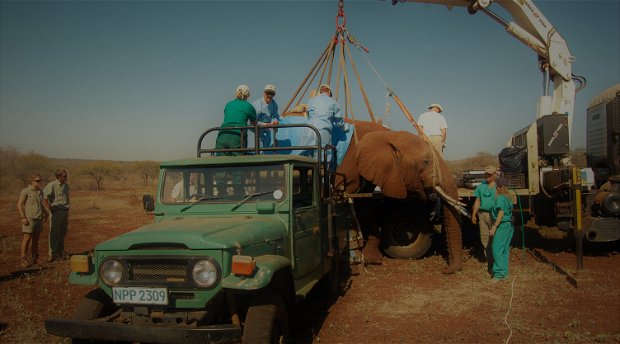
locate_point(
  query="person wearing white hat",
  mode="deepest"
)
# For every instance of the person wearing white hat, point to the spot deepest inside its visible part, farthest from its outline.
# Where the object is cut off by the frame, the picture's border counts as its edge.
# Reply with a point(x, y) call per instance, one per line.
point(434, 126)
point(324, 113)
point(237, 113)
point(266, 115)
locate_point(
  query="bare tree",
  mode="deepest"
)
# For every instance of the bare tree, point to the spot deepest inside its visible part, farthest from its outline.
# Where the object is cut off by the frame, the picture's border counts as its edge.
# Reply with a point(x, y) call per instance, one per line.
point(147, 170)
point(99, 170)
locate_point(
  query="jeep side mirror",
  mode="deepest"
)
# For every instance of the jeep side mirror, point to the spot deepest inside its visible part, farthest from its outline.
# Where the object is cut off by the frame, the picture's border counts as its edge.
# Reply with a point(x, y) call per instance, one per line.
point(148, 203)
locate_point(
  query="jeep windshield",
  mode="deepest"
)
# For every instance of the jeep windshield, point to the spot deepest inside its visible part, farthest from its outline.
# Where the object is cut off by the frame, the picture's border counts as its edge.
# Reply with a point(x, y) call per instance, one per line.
point(222, 184)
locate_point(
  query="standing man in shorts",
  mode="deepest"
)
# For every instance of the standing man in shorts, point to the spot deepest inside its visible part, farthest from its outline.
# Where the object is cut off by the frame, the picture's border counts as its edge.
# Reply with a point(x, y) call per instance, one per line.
point(56, 201)
point(434, 126)
point(32, 214)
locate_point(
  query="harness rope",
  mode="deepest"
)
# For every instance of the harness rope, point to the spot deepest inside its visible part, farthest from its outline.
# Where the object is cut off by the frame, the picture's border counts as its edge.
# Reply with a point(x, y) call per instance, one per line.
point(325, 63)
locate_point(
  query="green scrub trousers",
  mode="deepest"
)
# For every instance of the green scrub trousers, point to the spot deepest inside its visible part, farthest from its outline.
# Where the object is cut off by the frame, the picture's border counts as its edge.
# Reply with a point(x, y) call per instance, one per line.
point(501, 249)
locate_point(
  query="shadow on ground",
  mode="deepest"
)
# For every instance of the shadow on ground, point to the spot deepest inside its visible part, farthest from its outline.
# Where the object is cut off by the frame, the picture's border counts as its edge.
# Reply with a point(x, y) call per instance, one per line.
point(22, 273)
point(312, 312)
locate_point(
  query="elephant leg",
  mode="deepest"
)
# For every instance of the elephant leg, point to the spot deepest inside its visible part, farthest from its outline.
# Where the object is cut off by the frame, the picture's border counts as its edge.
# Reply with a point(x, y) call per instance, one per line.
point(372, 253)
point(367, 218)
point(454, 241)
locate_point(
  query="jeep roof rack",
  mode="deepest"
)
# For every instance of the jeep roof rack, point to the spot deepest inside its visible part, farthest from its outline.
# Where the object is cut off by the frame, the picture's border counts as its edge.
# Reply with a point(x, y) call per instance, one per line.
point(262, 150)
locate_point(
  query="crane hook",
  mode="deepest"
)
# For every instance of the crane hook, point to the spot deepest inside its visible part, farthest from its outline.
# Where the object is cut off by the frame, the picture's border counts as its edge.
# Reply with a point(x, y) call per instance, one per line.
point(340, 27)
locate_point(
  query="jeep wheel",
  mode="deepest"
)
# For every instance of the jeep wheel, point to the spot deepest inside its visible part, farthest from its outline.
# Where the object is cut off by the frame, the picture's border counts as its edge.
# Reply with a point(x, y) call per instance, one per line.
point(95, 304)
point(414, 249)
point(266, 321)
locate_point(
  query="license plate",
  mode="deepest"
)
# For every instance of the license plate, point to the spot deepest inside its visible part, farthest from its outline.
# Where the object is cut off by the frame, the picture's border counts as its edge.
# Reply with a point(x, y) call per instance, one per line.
point(138, 295)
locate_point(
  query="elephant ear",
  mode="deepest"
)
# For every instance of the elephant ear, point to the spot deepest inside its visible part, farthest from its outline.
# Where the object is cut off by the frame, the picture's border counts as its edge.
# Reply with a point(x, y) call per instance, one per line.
point(378, 158)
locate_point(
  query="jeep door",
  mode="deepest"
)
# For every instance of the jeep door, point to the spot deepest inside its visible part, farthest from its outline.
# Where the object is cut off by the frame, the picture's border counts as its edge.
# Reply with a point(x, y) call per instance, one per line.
point(307, 249)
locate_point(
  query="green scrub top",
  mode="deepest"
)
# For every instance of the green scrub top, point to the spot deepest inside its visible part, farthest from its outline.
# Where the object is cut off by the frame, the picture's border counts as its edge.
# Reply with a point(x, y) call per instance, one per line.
point(502, 203)
point(486, 195)
point(237, 113)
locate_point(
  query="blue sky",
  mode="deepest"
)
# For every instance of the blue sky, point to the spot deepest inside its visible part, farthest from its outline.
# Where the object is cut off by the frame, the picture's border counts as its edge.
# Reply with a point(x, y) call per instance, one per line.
point(140, 80)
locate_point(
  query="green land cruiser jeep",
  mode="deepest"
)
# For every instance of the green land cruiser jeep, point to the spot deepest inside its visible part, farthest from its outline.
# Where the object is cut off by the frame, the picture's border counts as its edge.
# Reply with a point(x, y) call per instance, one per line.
point(236, 242)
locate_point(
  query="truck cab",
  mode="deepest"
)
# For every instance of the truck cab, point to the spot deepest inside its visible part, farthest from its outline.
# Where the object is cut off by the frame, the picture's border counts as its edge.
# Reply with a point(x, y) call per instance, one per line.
point(236, 241)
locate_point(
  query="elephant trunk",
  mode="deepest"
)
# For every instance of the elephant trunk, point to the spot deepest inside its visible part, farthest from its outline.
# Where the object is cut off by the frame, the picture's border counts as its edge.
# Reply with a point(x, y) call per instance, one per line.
point(454, 240)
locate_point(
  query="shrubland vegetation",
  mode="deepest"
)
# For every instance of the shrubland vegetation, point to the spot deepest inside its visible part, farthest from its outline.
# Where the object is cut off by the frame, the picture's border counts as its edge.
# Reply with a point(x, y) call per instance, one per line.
point(16, 168)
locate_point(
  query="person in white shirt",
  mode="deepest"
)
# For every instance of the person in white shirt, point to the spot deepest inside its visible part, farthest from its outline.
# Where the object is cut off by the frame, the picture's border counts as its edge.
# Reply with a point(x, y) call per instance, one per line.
point(178, 191)
point(434, 126)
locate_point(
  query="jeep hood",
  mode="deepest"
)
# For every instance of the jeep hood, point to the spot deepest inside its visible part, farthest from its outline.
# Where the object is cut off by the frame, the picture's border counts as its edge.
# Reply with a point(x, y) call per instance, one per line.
point(202, 233)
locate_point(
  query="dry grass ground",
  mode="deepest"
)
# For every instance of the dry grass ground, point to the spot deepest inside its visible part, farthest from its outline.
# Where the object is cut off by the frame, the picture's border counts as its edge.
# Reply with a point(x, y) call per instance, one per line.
point(400, 301)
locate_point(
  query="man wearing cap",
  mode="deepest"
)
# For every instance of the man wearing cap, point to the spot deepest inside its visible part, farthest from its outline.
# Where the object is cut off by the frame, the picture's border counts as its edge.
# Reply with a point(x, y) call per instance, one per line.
point(434, 126)
point(485, 198)
point(266, 115)
point(237, 113)
point(324, 113)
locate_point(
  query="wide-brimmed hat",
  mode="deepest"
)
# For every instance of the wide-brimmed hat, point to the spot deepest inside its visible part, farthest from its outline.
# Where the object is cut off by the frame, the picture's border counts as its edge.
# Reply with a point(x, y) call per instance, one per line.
point(270, 89)
point(490, 170)
point(437, 106)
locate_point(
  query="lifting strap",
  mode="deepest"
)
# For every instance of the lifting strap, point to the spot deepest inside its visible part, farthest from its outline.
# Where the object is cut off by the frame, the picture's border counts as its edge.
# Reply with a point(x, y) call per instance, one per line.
point(324, 65)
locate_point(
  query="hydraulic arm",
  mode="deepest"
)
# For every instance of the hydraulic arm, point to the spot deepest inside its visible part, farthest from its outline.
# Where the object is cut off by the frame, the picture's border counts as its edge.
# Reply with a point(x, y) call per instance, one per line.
point(530, 27)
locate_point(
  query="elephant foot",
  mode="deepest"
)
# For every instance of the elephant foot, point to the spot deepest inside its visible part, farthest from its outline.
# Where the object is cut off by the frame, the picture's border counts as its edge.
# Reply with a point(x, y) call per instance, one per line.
point(372, 253)
point(450, 269)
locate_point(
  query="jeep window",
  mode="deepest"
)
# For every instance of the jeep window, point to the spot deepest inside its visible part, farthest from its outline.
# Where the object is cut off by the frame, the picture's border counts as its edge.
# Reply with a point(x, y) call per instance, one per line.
point(302, 186)
point(225, 184)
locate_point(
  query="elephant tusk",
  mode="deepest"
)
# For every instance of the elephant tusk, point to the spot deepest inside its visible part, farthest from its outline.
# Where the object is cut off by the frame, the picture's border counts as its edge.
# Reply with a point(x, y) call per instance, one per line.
point(460, 207)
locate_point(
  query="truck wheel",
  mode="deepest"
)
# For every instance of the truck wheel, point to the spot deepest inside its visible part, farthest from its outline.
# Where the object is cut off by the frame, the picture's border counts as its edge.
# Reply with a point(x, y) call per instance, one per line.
point(330, 283)
point(418, 246)
point(95, 304)
point(266, 321)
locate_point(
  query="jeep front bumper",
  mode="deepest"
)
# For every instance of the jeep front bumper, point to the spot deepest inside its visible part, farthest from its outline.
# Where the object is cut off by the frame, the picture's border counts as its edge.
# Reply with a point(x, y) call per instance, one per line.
point(93, 329)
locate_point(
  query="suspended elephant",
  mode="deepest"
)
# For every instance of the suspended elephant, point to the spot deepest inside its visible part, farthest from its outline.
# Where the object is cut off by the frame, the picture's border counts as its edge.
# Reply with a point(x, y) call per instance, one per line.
point(404, 167)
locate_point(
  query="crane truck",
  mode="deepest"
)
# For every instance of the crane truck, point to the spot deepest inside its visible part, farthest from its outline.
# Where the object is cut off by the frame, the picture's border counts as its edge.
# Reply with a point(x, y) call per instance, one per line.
point(544, 180)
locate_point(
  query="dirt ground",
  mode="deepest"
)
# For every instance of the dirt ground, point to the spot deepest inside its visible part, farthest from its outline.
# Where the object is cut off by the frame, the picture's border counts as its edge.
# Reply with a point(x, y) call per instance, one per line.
point(400, 301)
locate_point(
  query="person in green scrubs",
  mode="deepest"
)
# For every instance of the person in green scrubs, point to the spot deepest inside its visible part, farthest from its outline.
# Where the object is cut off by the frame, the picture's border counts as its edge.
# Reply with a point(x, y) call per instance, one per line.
point(237, 113)
point(502, 230)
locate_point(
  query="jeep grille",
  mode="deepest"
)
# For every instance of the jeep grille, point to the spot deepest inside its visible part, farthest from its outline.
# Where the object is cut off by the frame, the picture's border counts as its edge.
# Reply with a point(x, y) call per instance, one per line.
point(182, 296)
point(155, 271)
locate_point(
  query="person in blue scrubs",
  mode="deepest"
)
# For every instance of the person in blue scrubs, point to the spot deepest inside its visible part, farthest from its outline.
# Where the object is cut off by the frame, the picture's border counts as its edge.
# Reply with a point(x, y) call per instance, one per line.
point(266, 115)
point(324, 114)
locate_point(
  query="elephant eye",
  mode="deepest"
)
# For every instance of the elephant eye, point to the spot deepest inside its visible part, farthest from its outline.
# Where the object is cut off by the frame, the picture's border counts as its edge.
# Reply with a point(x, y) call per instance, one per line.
point(425, 162)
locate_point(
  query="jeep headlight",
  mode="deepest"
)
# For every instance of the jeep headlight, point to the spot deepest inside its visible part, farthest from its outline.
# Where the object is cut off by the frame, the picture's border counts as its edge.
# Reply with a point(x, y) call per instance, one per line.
point(111, 272)
point(205, 273)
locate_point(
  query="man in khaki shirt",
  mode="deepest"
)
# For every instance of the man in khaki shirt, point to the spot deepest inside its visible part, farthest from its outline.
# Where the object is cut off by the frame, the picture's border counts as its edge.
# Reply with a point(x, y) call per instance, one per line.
point(32, 214)
point(56, 200)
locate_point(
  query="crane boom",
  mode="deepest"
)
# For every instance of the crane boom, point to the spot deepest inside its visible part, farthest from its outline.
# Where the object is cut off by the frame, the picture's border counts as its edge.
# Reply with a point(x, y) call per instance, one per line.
point(531, 27)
